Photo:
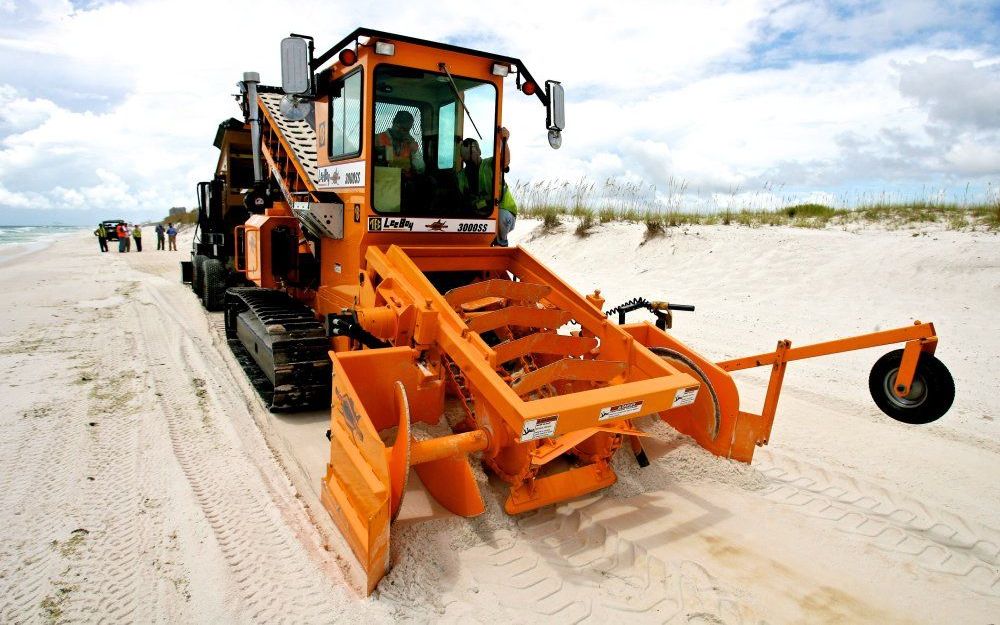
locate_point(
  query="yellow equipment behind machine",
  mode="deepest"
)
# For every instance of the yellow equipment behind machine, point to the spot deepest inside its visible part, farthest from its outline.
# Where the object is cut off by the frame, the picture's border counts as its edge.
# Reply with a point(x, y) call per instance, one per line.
point(373, 267)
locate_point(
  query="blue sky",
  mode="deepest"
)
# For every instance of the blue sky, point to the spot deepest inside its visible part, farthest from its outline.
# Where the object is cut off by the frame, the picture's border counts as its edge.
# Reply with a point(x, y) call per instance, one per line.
point(109, 109)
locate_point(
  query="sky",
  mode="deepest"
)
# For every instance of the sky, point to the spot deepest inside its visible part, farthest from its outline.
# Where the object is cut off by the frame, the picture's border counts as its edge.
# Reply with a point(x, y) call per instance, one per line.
point(109, 109)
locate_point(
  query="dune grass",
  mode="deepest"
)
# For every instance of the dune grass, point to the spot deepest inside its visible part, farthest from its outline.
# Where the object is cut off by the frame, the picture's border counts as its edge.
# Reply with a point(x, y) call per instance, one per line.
point(587, 204)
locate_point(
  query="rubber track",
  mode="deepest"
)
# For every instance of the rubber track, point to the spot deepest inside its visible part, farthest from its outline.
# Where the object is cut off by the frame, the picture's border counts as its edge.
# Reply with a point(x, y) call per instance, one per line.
point(302, 368)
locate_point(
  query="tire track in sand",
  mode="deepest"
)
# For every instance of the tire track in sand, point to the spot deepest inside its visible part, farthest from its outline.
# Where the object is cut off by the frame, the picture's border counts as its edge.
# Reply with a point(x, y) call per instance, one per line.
point(557, 551)
point(40, 476)
point(275, 580)
point(938, 541)
point(119, 557)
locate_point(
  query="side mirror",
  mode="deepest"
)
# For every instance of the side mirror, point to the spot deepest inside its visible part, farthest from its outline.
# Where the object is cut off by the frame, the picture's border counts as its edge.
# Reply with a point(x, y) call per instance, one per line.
point(555, 112)
point(296, 61)
point(203, 190)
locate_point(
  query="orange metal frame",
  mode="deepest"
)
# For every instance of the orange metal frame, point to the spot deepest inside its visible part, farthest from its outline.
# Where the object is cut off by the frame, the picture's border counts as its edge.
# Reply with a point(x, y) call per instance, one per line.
point(920, 337)
point(601, 369)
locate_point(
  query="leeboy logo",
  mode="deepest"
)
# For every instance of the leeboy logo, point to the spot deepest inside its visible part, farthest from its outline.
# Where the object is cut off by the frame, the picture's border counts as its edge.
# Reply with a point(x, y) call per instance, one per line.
point(326, 177)
point(392, 223)
point(379, 224)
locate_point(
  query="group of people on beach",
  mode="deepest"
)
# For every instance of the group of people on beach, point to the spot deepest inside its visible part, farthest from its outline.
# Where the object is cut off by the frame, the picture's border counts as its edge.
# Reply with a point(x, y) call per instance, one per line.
point(125, 234)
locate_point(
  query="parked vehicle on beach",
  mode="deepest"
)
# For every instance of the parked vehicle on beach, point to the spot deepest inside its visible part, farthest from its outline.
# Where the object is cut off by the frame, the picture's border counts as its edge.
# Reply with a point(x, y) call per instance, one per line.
point(111, 226)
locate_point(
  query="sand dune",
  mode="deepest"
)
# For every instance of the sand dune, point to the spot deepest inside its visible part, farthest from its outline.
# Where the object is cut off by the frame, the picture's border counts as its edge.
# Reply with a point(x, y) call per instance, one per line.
point(142, 481)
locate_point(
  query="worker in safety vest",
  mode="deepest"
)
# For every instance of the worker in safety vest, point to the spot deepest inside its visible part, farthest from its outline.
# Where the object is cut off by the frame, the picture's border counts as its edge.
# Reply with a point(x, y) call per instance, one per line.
point(399, 146)
point(475, 183)
point(102, 237)
point(122, 238)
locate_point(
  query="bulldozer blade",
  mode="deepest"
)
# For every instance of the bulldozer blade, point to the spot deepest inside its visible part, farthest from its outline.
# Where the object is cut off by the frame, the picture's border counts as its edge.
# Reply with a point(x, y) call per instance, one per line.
point(357, 490)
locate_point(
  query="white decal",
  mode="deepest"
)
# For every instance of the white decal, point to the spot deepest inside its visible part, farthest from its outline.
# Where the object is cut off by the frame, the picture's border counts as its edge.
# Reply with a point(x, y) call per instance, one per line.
point(539, 428)
point(685, 396)
point(341, 176)
point(613, 412)
point(424, 224)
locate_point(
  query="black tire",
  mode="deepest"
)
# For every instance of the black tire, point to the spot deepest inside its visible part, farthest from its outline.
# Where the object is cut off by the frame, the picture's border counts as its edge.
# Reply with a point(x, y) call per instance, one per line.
point(931, 394)
point(214, 284)
point(196, 274)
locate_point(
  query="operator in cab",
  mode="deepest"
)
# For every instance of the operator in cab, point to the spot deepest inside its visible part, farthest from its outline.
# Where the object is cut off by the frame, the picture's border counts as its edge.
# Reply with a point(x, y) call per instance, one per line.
point(397, 147)
point(475, 183)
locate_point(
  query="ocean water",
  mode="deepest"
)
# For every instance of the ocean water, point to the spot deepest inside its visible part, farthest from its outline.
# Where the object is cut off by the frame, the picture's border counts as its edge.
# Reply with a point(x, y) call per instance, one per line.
point(10, 235)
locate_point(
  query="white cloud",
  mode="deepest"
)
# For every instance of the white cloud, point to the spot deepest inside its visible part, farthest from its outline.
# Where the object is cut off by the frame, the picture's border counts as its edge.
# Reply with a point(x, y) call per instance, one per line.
point(115, 105)
point(955, 90)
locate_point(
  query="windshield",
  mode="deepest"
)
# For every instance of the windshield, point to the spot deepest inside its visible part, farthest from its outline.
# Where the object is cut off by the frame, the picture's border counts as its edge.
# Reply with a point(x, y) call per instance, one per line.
point(421, 131)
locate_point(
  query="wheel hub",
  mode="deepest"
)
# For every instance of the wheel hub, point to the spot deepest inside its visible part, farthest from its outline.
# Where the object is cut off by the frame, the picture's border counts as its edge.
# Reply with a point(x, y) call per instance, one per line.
point(916, 396)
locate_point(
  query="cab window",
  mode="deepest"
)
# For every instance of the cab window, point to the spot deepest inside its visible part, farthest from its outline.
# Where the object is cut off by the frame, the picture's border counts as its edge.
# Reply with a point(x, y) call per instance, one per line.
point(419, 124)
point(345, 117)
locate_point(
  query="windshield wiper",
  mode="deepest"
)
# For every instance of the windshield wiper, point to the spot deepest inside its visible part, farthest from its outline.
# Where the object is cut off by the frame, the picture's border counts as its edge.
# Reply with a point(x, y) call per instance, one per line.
point(444, 68)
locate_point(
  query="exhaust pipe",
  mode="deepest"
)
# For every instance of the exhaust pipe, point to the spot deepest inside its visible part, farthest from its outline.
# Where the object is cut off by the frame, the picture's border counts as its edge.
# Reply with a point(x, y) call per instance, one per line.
point(251, 79)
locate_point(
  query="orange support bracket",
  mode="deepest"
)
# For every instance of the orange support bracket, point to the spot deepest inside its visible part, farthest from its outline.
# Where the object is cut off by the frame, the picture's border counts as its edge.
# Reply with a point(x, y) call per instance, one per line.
point(907, 367)
point(774, 390)
point(920, 337)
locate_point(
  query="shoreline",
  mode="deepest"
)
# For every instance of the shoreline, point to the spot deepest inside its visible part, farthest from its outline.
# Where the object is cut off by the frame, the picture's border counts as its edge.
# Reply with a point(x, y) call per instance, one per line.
point(12, 251)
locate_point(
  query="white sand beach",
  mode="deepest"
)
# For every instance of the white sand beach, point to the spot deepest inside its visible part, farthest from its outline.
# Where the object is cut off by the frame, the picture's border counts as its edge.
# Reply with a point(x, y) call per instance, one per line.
point(142, 480)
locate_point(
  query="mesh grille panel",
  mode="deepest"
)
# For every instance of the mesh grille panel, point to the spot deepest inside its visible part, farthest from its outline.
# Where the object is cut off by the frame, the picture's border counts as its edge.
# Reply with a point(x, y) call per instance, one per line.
point(385, 111)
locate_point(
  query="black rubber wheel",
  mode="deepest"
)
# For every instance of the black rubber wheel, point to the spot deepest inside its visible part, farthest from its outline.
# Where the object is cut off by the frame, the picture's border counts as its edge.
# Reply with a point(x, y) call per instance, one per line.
point(196, 274)
point(931, 394)
point(213, 277)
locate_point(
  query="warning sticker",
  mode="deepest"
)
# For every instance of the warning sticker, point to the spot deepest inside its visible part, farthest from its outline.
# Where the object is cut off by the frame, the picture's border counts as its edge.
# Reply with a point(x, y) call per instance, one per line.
point(685, 396)
point(539, 428)
point(613, 412)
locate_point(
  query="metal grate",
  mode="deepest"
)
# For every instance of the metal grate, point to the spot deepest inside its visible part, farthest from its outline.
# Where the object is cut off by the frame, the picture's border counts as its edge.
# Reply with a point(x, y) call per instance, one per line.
point(300, 135)
point(385, 111)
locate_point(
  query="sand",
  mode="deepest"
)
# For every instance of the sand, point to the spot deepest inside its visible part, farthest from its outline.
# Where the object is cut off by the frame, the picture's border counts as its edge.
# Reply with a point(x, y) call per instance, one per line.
point(141, 480)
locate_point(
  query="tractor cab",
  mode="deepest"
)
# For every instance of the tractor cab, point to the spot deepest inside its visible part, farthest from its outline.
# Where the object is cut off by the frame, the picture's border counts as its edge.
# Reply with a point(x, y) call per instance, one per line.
point(392, 115)
point(367, 141)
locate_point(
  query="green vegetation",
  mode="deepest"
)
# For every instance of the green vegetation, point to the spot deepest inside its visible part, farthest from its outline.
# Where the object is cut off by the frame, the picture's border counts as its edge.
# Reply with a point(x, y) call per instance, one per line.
point(591, 204)
point(52, 605)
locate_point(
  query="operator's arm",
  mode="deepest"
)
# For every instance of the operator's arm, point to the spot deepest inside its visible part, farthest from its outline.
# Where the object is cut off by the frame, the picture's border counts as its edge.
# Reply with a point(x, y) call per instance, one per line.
point(417, 158)
point(504, 135)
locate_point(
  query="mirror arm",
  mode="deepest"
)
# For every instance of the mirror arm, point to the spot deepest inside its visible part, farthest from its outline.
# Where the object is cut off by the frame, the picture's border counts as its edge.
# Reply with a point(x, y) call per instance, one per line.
point(523, 71)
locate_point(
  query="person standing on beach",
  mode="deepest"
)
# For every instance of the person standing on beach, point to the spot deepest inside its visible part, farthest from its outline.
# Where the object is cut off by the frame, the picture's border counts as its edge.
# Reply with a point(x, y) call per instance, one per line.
point(159, 236)
point(137, 235)
point(128, 237)
point(102, 237)
point(122, 237)
point(172, 236)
